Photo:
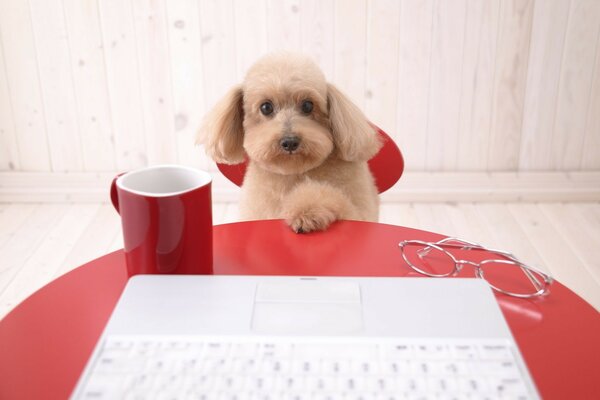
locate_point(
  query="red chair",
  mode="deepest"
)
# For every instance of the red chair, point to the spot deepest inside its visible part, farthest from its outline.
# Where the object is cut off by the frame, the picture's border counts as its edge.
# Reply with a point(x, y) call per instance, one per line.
point(387, 165)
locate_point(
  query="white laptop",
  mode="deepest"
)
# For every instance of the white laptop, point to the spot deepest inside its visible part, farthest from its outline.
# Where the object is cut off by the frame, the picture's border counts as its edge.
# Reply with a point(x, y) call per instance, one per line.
point(275, 337)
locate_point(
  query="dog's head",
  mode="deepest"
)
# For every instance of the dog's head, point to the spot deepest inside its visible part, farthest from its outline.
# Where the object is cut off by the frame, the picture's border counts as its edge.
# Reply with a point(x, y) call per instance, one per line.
point(288, 119)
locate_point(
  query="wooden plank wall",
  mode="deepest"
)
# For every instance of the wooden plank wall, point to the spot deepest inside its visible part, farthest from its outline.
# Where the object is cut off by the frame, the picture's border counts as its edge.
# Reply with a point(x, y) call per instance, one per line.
point(465, 85)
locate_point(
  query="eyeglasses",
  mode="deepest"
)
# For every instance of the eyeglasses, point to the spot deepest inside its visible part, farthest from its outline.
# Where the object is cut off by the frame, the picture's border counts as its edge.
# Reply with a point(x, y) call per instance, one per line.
point(504, 273)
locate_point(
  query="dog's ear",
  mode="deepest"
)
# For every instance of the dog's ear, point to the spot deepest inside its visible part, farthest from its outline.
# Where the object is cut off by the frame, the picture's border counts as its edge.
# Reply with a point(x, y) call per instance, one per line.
point(222, 132)
point(355, 138)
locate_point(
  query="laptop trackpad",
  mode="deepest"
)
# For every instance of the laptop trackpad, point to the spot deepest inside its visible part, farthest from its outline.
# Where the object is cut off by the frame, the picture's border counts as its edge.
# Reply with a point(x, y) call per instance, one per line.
point(307, 307)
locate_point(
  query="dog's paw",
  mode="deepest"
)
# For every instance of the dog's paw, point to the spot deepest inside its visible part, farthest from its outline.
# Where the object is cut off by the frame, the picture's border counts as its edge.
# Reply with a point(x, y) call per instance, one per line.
point(314, 218)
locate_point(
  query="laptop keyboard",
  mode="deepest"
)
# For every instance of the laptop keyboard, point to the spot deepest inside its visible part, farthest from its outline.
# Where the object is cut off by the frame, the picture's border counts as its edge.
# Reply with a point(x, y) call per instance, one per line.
point(168, 368)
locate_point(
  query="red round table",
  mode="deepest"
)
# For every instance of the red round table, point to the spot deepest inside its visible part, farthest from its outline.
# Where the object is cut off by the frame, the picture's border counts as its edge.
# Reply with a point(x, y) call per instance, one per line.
point(47, 339)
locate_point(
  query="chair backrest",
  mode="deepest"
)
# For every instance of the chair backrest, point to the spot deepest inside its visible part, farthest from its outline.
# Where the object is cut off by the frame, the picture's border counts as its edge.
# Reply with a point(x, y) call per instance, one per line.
point(387, 165)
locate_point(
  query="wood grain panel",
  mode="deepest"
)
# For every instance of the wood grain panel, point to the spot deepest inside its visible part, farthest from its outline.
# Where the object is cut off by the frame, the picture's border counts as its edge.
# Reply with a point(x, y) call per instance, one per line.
point(250, 33)
point(550, 20)
point(94, 239)
point(283, 25)
point(218, 53)
point(578, 233)
point(382, 63)
point(187, 69)
point(218, 49)
point(509, 84)
point(509, 235)
point(575, 83)
point(56, 79)
point(41, 265)
point(12, 216)
point(20, 58)
point(445, 85)
point(413, 80)
point(477, 84)
point(564, 262)
point(591, 147)
point(9, 150)
point(91, 86)
point(155, 80)
point(26, 239)
point(317, 32)
point(120, 53)
point(465, 85)
point(351, 49)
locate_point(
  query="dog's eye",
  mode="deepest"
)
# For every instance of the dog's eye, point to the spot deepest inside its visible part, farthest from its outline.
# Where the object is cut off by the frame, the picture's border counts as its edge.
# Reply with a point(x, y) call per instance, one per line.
point(266, 108)
point(307, 106)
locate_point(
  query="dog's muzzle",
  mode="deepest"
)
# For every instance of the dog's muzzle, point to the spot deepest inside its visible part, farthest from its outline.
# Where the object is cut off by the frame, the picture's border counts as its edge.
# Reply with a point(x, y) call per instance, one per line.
point(289, 143)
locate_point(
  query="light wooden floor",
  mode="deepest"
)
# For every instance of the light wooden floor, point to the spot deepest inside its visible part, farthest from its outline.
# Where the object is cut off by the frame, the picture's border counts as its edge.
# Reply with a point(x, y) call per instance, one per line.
point(39, 242)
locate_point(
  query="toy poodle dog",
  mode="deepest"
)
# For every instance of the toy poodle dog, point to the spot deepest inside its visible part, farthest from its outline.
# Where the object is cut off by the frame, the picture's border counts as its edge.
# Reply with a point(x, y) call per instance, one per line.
point(307, 145)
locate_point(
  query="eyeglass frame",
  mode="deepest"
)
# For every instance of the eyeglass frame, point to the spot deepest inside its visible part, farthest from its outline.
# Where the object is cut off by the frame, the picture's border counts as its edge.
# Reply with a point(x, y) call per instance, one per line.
point(458, 264)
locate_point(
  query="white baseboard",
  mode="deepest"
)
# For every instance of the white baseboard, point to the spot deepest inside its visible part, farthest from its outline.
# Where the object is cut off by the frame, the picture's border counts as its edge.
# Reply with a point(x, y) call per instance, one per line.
point(33, 187)
point(496, 186)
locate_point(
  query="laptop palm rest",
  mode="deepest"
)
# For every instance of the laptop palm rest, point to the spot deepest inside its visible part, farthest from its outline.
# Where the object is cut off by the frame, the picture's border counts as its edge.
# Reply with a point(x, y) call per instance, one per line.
point(307, 306)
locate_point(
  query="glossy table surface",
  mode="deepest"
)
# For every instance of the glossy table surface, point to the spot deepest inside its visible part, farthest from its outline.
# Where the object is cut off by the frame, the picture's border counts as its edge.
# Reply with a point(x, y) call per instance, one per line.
point(47, 339)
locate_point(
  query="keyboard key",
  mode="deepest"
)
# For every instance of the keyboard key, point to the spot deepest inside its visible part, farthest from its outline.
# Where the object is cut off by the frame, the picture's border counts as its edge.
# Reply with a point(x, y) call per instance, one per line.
point(266, 383)
point(275, 366)
point(475, 384)
point(103, 386)
point(200, 383)
point(391, 396)
point(297, 396)
point(168, 381)
point(503, 369)
point(353, 384)
point(169, 395)
point(361, 396)
point(380, 384)
point(305, 366)
point(282, 350)
point(507, 386)
point(465, 352)
point(425, 368)
point(230, 396)
point(336, 366)
point(441, 385)
point(453, 368)
point(262, 396)
point(216, 349)
point(322, 384)
point(397, 367)
point(410, 384)
point(290, 383)
point(216, 365)
point(245, 366)
point(118, 344)
point(140, 395)
point(495, 352)
point(431, 351)
point(245, 350)
point(328, 396)
point(401, 351)
point(365, 366)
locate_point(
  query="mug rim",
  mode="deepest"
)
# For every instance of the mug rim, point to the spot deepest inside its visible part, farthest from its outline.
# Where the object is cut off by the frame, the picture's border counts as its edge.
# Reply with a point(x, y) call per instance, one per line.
point(206, 179)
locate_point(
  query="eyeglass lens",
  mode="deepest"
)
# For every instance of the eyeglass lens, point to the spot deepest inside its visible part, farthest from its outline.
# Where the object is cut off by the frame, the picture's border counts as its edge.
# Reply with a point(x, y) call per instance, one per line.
point(512, 278)
point(503, 275)
point(429, 260)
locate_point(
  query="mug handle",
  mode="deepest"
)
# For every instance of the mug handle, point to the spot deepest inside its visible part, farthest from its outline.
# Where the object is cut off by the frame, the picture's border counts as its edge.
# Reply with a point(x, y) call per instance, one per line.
point(114, 196)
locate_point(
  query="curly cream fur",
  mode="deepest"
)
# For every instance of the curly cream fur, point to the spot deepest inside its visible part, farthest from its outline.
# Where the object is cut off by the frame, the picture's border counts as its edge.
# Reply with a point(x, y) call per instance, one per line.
point(327, 178)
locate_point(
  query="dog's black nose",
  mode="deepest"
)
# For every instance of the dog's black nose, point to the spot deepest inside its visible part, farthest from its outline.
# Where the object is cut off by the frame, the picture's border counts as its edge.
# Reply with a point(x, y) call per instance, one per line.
point(289, 143)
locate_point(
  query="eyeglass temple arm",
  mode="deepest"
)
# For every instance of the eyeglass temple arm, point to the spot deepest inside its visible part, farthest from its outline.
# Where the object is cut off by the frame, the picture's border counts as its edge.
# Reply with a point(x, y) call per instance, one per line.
point(465, 245)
